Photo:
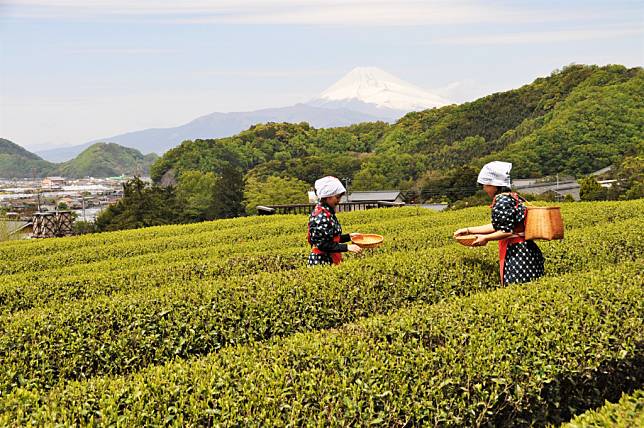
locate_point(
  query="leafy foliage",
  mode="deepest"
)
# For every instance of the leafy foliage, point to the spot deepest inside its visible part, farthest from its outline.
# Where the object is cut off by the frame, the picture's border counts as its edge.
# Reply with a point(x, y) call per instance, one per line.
point(455, 184)
point(590, 130)
point(627, 413)
point(590, 190)
point(228, 193)
point(309, 168)
point(274, 190)
point(196, 193)
point(630, 178)
point(141, 206)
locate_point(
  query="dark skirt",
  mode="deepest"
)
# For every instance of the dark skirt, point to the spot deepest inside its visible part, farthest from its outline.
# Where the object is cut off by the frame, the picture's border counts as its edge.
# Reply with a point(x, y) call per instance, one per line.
point(523, 263)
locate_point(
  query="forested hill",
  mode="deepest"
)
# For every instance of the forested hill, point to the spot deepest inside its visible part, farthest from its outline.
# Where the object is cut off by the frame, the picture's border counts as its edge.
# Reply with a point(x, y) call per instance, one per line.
point(9, 148)
point(107, 159)
point(574, 121)
point(15, 161)
point(98, 160)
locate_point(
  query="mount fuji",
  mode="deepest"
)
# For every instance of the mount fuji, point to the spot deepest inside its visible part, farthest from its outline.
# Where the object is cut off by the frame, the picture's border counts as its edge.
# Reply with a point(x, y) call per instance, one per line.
point(365, 94)
point(374, 91)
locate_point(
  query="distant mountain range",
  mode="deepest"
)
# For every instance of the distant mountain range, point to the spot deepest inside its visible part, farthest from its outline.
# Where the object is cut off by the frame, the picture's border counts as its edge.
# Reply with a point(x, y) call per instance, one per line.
point(365, 94)
point(97, 160)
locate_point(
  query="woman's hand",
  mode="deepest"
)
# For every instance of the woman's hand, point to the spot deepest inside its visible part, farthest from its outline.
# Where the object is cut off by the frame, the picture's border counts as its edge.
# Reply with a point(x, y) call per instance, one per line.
point(355, 235)
point(464, 231)
point(481, 241)
point(353, 248)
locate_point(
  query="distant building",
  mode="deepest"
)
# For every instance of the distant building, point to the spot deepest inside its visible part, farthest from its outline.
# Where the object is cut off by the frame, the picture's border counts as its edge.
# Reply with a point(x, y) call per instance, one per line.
point(557, 190)
point(607, 183)
point(16, 229)
point(53, 182)
point(602, 171)
point(375, 196)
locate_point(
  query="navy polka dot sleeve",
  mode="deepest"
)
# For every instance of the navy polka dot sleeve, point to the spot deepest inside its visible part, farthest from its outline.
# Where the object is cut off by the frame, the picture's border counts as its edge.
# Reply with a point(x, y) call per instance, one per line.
point(506, 216)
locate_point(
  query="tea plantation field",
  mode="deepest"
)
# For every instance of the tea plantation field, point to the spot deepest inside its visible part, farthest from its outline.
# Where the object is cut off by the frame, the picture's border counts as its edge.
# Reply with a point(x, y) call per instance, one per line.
point(222, 324)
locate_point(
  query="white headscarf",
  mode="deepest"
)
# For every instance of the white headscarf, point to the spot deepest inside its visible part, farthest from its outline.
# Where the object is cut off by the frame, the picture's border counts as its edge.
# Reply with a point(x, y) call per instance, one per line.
point(328, 186)
point(496, 173)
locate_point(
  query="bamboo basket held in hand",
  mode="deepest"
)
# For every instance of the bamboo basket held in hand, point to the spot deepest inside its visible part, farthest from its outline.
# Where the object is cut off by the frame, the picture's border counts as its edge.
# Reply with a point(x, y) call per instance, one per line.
point(543, 223)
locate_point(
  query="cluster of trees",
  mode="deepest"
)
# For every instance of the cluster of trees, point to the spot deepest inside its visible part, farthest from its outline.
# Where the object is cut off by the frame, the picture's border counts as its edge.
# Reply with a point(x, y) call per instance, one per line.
point(198, 197)
point(628, 182)
point(575, 121)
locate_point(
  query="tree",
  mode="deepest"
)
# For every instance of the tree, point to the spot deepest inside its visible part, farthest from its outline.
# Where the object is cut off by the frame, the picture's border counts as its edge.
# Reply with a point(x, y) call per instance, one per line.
point(630, 178)
point(141, 206)
point(386, 171)
point(590, 190)
point(229, 192)
point(274, 191)
point(195, 195)
point(453, 185)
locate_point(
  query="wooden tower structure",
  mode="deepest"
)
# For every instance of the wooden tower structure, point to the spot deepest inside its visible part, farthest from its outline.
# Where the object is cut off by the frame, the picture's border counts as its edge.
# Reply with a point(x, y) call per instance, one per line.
point(52, 224)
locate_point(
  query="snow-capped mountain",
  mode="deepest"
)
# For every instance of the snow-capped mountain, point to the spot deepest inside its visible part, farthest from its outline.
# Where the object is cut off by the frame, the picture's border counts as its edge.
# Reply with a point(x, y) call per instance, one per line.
point(377, 91)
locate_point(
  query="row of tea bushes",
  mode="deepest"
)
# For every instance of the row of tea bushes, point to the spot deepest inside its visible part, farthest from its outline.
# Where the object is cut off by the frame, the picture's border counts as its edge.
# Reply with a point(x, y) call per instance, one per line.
point(524, 355)
point(122, 333)
point(51, 254)
point(270, 235)
point(81, 279)
point(125, 332)
point(409, 233)
point(627, 413)
point(402, 235)
point(228, 228)
point(24, 291)
point(27, 289)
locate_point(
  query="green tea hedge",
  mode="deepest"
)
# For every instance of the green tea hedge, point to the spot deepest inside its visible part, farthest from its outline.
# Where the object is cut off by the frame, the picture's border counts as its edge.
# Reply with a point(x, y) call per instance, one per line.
point(125, 332)
point(523, 355)
point(627, 413)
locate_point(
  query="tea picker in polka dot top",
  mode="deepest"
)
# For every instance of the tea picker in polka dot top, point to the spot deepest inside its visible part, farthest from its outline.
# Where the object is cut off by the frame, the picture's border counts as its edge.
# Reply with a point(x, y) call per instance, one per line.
point(519, 260)
point(325, 233)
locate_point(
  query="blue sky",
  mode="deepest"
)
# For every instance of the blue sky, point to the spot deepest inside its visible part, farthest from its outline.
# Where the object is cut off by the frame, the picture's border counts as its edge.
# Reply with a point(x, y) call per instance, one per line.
point(77, 70)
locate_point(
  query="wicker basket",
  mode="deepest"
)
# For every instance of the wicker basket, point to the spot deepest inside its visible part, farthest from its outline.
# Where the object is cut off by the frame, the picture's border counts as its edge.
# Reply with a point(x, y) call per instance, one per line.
point(466, 240)
point(368, 240)
point(543, 223)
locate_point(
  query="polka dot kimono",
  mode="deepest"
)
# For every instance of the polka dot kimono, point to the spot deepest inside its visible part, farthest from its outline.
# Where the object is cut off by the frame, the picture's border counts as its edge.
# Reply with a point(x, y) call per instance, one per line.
point(325, 234)
point(523, 260)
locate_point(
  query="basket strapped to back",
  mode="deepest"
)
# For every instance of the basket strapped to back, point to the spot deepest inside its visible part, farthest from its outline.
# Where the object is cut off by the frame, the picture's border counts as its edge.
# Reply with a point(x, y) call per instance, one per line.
point(543, 223)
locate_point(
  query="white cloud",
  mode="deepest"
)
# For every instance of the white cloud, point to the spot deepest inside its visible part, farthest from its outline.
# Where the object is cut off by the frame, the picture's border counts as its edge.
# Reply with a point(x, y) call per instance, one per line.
point(296, 12)
point(541, 36)
point(269, 74)
point(121, 51)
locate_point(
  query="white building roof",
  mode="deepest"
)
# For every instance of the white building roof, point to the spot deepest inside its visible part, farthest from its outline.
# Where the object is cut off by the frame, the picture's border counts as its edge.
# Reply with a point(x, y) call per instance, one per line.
point(375, 195)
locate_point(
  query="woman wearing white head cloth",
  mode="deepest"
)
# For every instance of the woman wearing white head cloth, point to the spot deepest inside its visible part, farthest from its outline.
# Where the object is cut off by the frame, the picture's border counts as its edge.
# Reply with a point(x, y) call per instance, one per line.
point(325, 233)
point(519, 260)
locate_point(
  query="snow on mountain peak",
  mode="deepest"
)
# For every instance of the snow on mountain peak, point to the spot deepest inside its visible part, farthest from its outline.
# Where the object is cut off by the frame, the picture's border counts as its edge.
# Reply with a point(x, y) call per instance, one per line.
point(375, 86)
